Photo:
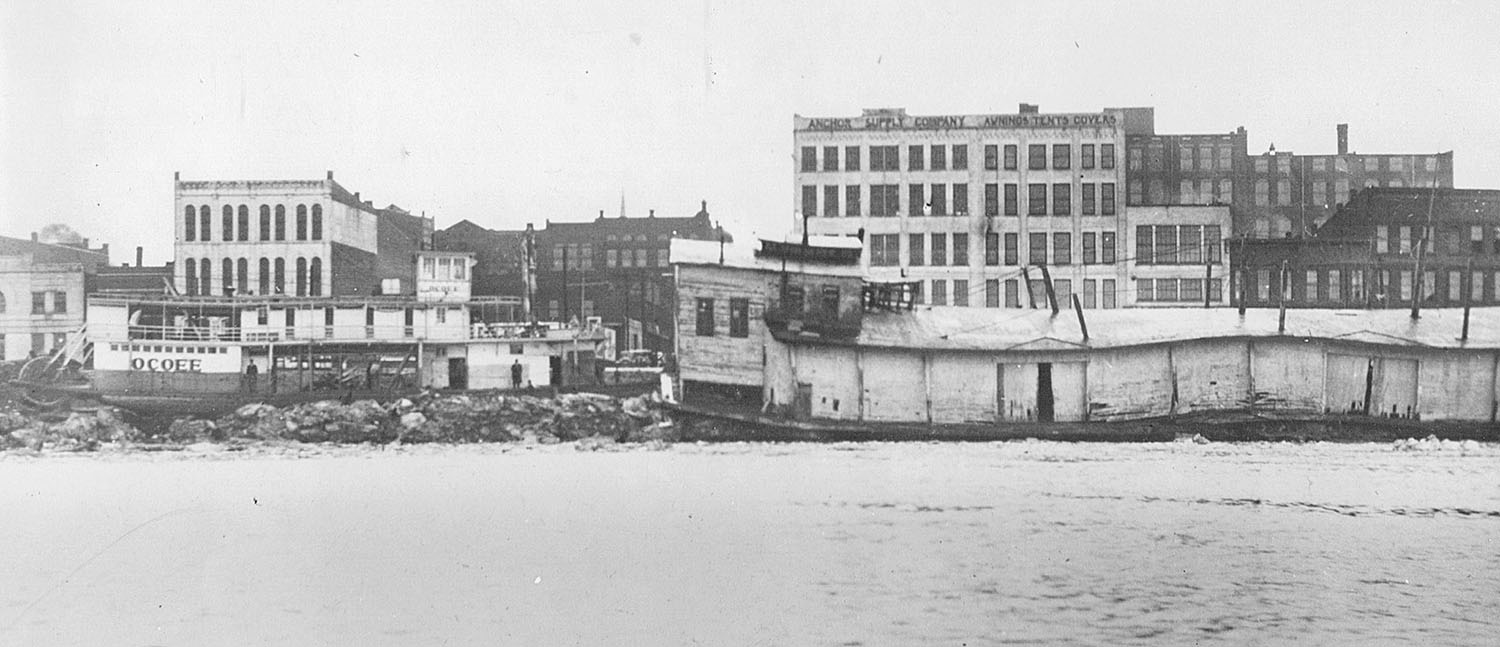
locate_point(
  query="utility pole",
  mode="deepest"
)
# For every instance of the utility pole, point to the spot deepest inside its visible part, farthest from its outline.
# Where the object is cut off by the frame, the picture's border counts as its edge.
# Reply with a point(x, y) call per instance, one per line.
point(1416, 279)
point(1051, 294)
point(1281, 317)
point(564, 290)
point(1082, 325)
point(1030, 296)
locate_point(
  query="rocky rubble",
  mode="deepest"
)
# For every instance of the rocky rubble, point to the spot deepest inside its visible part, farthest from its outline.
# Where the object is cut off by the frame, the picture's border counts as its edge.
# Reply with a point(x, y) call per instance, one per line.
point(598, 420)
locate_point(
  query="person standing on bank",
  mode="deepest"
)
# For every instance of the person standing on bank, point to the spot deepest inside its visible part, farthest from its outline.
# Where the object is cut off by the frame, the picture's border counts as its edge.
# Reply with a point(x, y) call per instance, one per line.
point(252, 375)
point(515, 374)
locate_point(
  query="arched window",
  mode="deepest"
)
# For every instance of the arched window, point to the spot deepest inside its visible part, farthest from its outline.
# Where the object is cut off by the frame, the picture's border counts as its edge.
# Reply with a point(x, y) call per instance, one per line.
point(228, 222)
point(228, 271)
point(244, 223)
point(190, 276)
point(314, 276)
point(317, 222)
point(205, 277)
point(280, 278)
point(242, 275)
point(301, 222)
point(301, 276)
point(205, 222)
point(280, 222)
point(265, 222)
point(2, 300)
point(265, 275)
point(189, 224)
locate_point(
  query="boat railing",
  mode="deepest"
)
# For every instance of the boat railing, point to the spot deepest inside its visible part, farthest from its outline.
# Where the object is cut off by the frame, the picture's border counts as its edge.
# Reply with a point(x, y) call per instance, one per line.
point(328, 333)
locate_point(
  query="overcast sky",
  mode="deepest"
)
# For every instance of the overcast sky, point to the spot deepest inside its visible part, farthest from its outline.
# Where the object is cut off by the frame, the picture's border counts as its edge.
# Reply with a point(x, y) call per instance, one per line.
point(506, 113)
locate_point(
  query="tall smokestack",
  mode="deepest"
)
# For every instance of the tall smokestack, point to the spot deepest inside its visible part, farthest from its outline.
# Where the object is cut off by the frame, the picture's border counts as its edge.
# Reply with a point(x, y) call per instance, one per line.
point(138, 252)
point(1343, 139)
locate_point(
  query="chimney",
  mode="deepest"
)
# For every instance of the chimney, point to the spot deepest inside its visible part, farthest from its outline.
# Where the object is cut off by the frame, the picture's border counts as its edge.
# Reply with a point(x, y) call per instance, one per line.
point(104, 249)
point(33, 237)
point(86, 243)
point(330, 175)
point(138, 252)
point(1343, 139)
point(601, 214)
point(176, 176)
point(356, 196)
point(1029, 109)
point(651, 213)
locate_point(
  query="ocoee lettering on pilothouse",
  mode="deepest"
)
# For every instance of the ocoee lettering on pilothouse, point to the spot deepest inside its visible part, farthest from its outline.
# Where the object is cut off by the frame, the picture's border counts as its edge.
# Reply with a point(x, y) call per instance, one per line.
point(167, 365)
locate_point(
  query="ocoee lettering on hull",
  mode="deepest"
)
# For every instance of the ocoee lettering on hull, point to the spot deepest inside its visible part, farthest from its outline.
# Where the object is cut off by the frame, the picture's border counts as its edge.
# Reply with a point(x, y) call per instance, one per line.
point(167, 365)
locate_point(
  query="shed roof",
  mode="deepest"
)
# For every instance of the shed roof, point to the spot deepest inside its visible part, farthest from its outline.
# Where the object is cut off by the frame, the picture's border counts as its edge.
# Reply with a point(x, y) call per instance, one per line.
point(743, 256)
point(957, 328)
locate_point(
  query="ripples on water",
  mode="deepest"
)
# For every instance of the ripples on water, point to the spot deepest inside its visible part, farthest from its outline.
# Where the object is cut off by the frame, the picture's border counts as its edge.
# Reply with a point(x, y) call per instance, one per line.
point(847, 544)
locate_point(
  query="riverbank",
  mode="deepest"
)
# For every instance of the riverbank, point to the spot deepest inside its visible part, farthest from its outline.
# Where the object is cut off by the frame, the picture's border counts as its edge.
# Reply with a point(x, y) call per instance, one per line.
point(475, 417)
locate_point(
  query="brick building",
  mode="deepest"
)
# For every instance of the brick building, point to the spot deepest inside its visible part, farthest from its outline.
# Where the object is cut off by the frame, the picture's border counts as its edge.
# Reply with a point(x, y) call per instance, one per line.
point(293, 237)
point(41, 293)
point(963, 204)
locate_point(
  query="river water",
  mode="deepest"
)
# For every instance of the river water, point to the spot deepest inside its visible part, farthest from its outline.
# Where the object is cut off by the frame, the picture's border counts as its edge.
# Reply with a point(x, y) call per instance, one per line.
point(755, 544)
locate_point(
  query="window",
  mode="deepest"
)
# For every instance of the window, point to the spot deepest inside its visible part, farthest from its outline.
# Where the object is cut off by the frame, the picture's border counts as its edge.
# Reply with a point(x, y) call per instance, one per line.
point(1185, 158)
point(39, 302)
point(992, 249)
point(1213, 243)
point(1226, 158)
point(960, 199)
point(1036, 200)
point(1062, 156)
point(1310, 286)
point(939, 157)
point(914, 157)
point(280, 222)
point(611, 257)
point(1107, 161)
point(961, 293)
point(1455, 286)
point(809, 159)
point(265, 275)
point(640, 258)
point(1107, 198)
point(991, 157)
point(884, 200)
point(1165, 248)
point(1107, 247)
point(1090, 295)
point(1062, 199)
point(1476, 286)
point(1136, 157)
point(939, 292)
point(302, 276)
point(1143, 253)
point(851, 200)
point(851, 158)
point(1136, 192)
point(1263, 285)
point(1190, 244)
point(831, 200)
point(1476, 239)
point(960, 157)
point(1012, 293)
point(809, 200)
point(1011, 200)
point(1062, 248)
point(1088, 199)
point(279, 276)
point(204, 222)
point(916, 200)
point(885, 249)
point(705, 317)
point(1086, 156)
point(243, 221)
point(226, 270)
point(1010, 157)
point(1012, 255)
point(314, 277)
point(1107, 293)
point(227, 223)
point(1283, 193)
point(992, 293)
point(189, 223)
point(1382, 239)
point(916, 246)
point(1206, 158)
point(1062, 290)
point(1036, 157)
point(317, 222)
point(739, 317)
point(265, 222)
point(1405, 239)
point(884, 158)
point(961, 249)
point(830, 158)
point(991, 199)
point(1090, 248)
point(939, 199)
point(939, 254)
point(1037, 250)
point(1262, 192)
point(301, 222)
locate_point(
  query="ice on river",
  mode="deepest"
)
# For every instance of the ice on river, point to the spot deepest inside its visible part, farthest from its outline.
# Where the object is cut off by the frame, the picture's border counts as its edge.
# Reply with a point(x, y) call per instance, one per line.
point(769, 544)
